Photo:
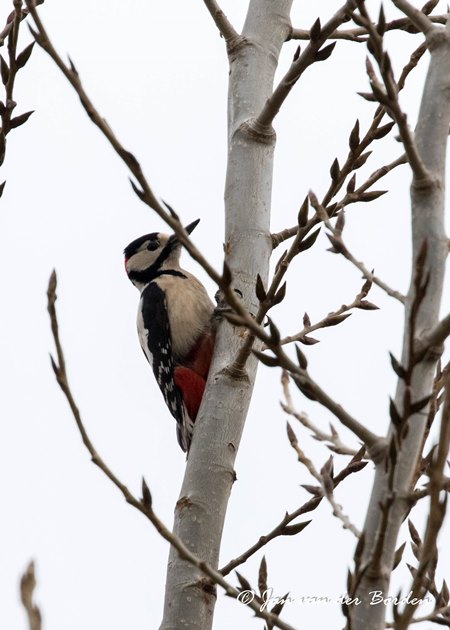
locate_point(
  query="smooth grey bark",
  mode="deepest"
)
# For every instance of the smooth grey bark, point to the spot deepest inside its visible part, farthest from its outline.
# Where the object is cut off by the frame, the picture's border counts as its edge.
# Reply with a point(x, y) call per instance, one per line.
point(201, 508)
point(427, 198)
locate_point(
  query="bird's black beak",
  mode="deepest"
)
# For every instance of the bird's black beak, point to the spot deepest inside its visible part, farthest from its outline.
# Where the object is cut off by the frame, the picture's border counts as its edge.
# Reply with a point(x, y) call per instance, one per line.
point(174, 240)
point(191, 227)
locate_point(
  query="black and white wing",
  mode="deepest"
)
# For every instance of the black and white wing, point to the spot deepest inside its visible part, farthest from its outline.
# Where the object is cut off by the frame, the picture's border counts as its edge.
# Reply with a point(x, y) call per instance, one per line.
point(155, 338)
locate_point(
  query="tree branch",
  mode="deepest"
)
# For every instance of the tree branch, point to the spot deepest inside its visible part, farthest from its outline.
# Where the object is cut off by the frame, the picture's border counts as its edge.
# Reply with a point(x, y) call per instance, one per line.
point(369, 275)
point(335, 443)
point(204, 532)
point(355, 159)
point(433, 616)
point(222, 22)
point(435, 337)
point(303, 380)
point(436, 515)
point(9, 70)
point(351, 197)
point(356, 464)
point(304, 227)
point(10, 22)
point(358, 155)
point(390, 499)
point(389, 97)
point(417, 17)
point(339, 247)
point(210, 472)
point(334, 318)
point(71, 74)
point(325, 478)
point(145, 192)
point(300, 64)
point(360, 34)
point(143, 505)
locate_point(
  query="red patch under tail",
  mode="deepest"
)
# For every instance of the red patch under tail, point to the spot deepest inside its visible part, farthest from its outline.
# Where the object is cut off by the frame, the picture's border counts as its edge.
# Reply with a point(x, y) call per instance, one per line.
point(192, 387)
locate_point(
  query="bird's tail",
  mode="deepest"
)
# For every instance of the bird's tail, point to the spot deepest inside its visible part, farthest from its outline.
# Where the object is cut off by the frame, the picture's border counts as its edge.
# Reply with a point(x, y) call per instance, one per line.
point(192, 386)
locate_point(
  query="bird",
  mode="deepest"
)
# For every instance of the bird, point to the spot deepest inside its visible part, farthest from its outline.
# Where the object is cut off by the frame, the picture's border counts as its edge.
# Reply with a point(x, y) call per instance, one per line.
point(175, 324)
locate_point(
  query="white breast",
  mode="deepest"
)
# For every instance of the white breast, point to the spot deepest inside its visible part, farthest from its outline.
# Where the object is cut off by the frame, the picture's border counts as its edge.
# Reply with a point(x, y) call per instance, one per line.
point(189, 308)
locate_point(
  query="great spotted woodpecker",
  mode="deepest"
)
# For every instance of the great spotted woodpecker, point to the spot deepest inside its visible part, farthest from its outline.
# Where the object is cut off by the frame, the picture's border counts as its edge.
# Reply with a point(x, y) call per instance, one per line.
point(174, 324)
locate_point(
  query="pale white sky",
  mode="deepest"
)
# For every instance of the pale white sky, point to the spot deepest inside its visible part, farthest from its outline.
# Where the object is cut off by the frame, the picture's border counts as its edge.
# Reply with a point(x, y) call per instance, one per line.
point(158, 73)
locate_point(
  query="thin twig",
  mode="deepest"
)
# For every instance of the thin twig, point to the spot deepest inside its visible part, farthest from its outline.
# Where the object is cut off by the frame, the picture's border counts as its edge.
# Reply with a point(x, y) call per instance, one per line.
point(389, 96)
point(9, 23)
point(414, 59)
point(353, 161)
point(341, 248)
point(338, 512)
point(421, 21)
point(27, 586)
point(303, 459)
point(432, 616)
point(359, 34)
point(145, 192)
point(270, 296)
point(335, 443)
point(355, 155)
point(9, 71)
point(144, 505)
point(369, 438)
point(300, 64)
point(303, 379)
point(282, 528)
point(332, 319)
point(71, 74)
point(369, 275)
point(357, 195)
point(325, 478)
point(424, 492)
point(350, 198)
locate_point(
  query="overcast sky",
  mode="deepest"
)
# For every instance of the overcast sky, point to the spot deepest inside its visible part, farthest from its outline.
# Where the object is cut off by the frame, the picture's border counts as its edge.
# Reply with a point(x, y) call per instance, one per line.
point(158, 73)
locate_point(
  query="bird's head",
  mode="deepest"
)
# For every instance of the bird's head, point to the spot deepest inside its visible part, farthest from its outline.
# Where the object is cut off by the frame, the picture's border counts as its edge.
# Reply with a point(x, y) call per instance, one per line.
point(152, 253)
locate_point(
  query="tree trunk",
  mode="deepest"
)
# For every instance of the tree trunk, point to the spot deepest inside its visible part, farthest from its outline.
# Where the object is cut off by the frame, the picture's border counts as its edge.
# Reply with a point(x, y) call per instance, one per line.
point(201, 508)
point(427, 227)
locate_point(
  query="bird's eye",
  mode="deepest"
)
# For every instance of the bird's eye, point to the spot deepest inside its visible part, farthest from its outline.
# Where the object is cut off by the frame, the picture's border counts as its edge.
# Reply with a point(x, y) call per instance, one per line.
point(152, 245)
